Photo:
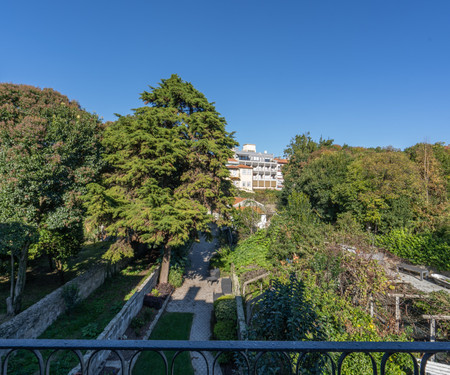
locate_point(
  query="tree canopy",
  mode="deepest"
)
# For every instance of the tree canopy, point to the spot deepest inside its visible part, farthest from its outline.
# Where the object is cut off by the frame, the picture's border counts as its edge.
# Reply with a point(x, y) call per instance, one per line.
point(49, 151)
point(166, 173)
point(383, 189)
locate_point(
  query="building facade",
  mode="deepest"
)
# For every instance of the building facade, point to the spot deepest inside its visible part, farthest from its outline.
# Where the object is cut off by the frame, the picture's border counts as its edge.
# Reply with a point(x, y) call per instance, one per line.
point(240, 174)
point(280, 179)
point(251, 170)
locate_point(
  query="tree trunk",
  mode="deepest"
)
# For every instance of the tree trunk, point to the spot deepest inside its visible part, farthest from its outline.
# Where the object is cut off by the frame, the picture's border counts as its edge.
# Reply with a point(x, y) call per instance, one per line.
point(165, 265)
point(14, 302)
point(60, 268)
point(9, 304)
point(50, 262)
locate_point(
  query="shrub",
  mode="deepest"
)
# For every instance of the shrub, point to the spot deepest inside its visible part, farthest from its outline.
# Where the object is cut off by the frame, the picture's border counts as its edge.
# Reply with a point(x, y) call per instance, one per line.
point(225, 330)
point(137, 322)
point(71, 295)
point(91, 331)
point(176, 277)
point(253, 251)
point(148, 314)
point(285, 314)
point(225, 309)
point(226, 323)
point(155, 292)
point(422, 248)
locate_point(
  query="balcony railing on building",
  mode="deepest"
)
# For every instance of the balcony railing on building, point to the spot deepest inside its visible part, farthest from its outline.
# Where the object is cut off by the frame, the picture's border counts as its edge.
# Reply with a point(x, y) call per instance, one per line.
point(251, 356)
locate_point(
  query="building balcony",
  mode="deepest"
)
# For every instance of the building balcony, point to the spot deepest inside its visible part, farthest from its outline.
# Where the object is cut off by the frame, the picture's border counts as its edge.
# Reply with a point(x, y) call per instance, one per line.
point(294, 356)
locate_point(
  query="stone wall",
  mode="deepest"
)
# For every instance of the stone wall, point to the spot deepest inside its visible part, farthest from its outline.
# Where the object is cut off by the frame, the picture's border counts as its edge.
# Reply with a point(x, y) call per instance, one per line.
point(32, 322)
point(242, 326)
point(119, 324)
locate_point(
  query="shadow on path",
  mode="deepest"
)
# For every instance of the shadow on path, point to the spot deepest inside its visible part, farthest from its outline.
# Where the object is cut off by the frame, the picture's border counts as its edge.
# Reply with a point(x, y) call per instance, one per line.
point(196, 296)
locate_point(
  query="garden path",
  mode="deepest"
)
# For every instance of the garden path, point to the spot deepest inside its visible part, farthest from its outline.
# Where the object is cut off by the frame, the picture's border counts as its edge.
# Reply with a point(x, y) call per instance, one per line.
point(196, 296)
point(422, 285)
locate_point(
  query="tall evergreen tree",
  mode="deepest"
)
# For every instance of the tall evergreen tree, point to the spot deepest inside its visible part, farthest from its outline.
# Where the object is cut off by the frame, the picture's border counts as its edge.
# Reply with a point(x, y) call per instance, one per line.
point(167, 173)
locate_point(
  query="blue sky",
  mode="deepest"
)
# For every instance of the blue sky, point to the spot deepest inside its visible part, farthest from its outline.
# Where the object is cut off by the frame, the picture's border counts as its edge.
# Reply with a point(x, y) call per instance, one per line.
point(366, 73)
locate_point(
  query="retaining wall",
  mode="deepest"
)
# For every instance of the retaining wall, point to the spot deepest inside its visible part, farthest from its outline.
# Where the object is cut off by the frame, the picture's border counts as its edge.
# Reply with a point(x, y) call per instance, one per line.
point(119, 324)
point(242, 326)
point(32, 322)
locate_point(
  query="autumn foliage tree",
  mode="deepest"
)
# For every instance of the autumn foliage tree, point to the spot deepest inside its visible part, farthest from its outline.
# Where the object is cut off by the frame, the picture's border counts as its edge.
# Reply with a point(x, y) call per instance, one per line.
point(49, 151)
point(166, 171)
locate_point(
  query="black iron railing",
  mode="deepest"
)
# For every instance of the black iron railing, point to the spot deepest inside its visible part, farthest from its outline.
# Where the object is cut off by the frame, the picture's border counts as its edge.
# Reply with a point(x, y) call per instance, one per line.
point(251, 353)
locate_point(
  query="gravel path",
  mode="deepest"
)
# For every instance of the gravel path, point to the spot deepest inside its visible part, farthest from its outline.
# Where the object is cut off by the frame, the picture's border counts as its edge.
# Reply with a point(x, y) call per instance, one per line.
point(196, 296)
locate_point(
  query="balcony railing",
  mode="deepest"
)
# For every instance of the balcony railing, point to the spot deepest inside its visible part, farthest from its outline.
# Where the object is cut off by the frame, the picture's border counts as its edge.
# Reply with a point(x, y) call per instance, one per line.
point(250, 352)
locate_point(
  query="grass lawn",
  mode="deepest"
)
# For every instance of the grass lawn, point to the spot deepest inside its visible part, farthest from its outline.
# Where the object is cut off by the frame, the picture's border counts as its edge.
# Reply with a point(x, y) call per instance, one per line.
point(88, 319)
point(42, 281)
point(171, 326)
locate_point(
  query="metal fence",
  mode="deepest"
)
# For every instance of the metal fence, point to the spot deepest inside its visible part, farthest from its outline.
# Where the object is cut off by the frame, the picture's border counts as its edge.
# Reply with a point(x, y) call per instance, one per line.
point(252, 353)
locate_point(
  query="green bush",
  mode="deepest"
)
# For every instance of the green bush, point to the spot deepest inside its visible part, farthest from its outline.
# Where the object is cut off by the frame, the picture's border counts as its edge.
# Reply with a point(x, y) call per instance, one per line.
point(225, 309)
point(71, 295)
point(176, 276)
point(225, 330)
point(253, 251)
point(91, 331)
point(421, 248)
point(226, 323)
point(179, 261)
point(137, 322)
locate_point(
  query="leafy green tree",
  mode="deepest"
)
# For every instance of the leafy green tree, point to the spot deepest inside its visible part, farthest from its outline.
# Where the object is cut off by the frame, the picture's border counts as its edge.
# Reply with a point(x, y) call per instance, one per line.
point(49, 151)
point(298, 152)
point(15, 240)
point(433, 163)
point(60, 245)
point(379, 186)
point(319, 179)
point(295, 230)
point(247, 217)
point(166, 171)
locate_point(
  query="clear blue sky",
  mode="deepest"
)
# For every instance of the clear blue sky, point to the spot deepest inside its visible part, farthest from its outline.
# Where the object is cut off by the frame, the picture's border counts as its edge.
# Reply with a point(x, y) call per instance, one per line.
point(363, 72)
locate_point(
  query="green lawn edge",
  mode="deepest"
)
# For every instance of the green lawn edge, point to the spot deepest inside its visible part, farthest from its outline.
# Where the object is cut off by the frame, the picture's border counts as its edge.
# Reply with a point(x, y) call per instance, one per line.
point(171, 326)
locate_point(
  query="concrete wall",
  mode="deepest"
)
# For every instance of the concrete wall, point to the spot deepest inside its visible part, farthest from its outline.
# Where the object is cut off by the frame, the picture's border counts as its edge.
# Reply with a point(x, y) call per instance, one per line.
point(119, 324)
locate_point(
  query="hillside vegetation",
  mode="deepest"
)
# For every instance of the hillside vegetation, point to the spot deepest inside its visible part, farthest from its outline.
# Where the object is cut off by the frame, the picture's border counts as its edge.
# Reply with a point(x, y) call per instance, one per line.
point(338, 198)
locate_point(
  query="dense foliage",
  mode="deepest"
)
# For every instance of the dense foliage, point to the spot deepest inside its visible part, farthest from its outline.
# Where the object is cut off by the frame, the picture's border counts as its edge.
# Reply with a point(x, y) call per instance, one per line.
point(225, 327)
point(336, 286)
point(383, 191)
point(249, 253)
point(419, 248)
point(49, 152)
point(375, 185)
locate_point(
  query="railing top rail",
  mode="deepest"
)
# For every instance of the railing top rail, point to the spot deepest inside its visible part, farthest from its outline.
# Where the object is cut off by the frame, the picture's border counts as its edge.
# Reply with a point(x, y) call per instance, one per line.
point(295, 346)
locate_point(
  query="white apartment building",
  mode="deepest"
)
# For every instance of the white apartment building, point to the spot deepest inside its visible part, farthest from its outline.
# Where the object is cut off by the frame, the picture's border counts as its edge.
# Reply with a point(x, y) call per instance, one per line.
point(240, 174)
point(264, 167)
point(280, 179)
point(251, 170)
